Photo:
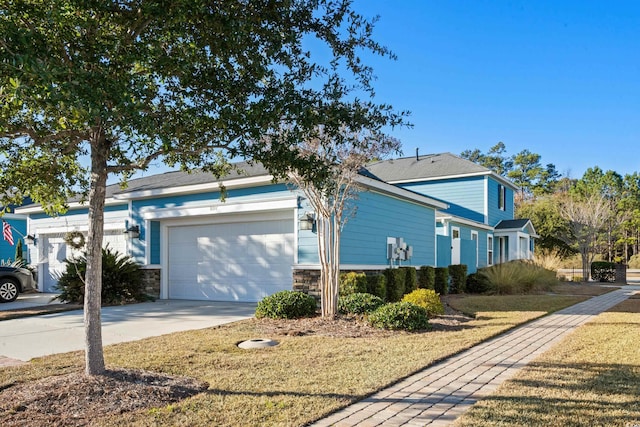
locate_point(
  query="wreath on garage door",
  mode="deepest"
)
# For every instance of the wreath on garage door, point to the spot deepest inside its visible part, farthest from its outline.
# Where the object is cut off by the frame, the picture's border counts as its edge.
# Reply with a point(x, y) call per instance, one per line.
point(75, 239)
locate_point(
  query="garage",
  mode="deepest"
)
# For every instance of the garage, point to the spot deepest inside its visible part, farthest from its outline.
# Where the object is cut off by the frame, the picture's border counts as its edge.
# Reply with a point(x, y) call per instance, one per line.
point(57, 251)
point(241, 257)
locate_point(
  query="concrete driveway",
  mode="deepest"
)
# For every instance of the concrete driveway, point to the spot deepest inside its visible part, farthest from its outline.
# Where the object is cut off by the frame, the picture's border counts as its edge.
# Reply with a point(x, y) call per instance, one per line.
point(30, 300)
point(36, 336)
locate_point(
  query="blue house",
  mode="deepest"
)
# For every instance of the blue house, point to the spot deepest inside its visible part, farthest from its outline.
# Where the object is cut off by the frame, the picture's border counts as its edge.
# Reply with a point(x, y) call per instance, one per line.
point(18, 228)
point(196, 243)
point(478, 227)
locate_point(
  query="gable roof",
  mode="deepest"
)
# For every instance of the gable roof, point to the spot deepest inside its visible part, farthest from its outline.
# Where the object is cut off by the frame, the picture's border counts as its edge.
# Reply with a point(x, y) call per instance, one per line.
point(189, 181)
point(516, 224)
point(430, 167)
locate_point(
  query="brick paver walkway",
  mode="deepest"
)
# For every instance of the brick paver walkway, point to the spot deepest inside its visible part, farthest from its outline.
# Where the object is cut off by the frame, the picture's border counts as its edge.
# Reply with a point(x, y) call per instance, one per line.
point(439, 394)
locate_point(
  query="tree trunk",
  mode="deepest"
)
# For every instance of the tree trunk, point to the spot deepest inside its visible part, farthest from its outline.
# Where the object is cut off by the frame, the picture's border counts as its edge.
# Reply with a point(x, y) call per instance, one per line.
point(94, 357)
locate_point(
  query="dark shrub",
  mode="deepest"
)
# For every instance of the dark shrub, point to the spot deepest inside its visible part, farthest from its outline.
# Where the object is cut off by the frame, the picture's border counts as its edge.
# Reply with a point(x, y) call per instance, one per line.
point(458, 274)
point(426, 277)
point(410, 279)
point(395, 283)
point(603, 271)
point(441, 283)
point(351, 283)
point(286, 305)
point(477, 283)
point(360, 303)
point(121, 279)
point(377, 285)
point(400, 315)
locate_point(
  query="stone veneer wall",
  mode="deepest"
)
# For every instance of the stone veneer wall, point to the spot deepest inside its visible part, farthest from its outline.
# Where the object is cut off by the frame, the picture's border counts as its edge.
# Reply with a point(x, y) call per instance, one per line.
point(151, 281)
point(308, 281)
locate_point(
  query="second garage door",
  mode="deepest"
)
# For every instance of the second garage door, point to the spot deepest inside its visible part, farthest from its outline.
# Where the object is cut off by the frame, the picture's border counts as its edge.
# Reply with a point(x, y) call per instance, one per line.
point(235, 261)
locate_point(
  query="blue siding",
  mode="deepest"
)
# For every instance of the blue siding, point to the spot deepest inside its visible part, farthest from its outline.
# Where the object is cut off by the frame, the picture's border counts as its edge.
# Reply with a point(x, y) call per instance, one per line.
point(364, 238)
point(154, 243)
point(495, 214)
point(468, 254)
point(482, 248)
point(307, 239)
point(465, 196)
point(19, 229)
point(444, 251)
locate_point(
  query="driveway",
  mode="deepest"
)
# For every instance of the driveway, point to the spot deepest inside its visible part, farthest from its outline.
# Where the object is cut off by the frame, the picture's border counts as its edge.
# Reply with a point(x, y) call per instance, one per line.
point(30, 300)
point(36, 336)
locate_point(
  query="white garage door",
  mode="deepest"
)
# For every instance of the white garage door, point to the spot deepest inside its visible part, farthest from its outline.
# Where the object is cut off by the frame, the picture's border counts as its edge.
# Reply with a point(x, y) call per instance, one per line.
point(241, 261)
point(57, 252)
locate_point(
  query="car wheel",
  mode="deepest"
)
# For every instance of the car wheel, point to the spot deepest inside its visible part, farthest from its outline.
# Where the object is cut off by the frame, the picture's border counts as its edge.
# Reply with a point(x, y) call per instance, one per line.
point(8, 290)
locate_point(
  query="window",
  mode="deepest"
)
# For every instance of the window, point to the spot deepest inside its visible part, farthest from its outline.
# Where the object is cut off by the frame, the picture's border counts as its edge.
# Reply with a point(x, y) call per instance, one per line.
point(455, 233)
point(489, 250)
point(502, 197)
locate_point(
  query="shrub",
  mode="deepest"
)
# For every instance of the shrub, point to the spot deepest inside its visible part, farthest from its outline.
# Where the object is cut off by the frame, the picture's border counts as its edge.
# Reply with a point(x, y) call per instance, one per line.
point(426, 277)
point(477, 283)
point(519, 277)
point(458, 274)
point(427, 299)
point(395, 283)
point(377, 285)
point(121, 279)
point(603, 271)
point(286, 305)
point(360, 303)
point(548, 259)
point(441, 281)
point(400, 315)
point(410, 279)
point(351, 283)
point(634, 261)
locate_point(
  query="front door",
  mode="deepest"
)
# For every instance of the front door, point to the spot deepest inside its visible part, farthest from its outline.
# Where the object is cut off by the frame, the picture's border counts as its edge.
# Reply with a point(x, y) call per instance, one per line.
point(455, 245)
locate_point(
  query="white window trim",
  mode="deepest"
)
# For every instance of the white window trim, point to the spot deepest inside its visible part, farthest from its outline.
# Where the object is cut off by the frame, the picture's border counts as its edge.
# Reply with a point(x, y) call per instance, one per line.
point(475, 233)
point(490, 259)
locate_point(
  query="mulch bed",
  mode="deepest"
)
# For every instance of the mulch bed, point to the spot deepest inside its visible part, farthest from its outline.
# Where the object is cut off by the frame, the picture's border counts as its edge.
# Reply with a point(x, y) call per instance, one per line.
point(77, 399)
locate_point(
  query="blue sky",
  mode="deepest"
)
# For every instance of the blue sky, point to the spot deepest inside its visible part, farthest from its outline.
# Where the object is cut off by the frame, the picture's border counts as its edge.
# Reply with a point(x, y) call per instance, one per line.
point(559, 78)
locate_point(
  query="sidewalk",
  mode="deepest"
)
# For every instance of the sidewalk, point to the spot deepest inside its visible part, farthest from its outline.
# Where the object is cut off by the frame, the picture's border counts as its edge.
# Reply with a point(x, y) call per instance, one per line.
point(441, 393)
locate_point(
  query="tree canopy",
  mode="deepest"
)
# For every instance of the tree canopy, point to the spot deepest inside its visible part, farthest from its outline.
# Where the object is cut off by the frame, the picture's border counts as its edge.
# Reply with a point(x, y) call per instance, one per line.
point(98, 87)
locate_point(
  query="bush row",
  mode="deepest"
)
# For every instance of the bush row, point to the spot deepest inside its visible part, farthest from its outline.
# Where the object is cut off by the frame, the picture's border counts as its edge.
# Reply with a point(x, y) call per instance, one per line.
point(394, 283)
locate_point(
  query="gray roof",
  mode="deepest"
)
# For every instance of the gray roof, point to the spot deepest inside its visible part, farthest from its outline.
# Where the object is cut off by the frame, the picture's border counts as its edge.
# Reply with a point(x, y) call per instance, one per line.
point(182, 179)
point(177, 179)
point(508, 224)
point(430, 166)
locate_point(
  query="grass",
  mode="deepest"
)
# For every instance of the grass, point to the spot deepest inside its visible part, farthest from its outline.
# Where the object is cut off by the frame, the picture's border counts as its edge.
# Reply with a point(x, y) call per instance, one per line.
point(473, 305)
point(591, 378)
point(302, 379)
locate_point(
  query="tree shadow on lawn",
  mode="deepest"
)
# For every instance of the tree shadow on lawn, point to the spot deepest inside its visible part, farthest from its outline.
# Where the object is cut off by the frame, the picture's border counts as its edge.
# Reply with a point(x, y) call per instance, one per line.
point(564, 394)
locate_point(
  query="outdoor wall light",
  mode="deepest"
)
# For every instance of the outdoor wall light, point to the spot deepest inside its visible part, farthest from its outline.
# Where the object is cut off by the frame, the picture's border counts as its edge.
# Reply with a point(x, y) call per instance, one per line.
point(30, 239)
point(307, 221)
point(132, 232)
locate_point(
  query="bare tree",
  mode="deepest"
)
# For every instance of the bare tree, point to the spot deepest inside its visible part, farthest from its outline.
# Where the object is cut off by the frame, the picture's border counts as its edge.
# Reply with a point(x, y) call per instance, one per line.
point(586, 217)
point(344, 152)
